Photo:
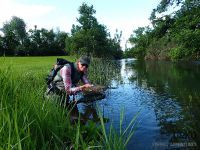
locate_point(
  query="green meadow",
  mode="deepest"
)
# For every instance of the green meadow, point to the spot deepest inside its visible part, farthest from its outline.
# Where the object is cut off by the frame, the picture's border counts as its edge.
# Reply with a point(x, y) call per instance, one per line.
point(29, 121)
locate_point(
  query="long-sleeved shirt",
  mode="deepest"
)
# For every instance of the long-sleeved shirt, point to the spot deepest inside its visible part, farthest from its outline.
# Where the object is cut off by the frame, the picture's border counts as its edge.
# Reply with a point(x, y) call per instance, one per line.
point(65, 73)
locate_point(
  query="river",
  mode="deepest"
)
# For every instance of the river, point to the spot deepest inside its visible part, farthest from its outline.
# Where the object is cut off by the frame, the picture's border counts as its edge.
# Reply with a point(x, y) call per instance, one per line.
point(165, 97)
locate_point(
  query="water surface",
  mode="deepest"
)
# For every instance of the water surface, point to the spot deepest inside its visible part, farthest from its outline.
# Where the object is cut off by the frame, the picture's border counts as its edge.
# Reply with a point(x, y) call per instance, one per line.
point(167, 97)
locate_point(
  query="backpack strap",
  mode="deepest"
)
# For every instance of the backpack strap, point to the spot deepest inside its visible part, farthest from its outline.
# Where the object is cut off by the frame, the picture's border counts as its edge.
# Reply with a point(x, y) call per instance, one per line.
point(72, 69)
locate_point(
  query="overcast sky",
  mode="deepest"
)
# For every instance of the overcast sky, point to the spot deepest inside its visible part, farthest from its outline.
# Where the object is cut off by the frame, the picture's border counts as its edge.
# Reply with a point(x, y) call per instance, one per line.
point(124, 15)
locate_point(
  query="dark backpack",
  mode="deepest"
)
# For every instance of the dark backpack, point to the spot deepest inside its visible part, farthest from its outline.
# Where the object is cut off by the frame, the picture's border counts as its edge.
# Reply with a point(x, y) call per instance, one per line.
point(60, 63)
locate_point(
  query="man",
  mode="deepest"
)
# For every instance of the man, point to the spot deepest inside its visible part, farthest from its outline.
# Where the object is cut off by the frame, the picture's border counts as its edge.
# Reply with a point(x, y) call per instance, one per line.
point(65, 82)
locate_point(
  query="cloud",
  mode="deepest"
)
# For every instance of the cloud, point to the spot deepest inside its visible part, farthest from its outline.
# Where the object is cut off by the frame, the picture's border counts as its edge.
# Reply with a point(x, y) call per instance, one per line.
point(56, 16)
point(11, 8)
point(126, 25)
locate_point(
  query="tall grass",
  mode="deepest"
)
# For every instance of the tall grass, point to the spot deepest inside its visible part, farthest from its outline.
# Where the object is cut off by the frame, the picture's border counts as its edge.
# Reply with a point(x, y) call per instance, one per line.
point(103, 71)
point(27, 118)
point(28, 121)
point(114, 140)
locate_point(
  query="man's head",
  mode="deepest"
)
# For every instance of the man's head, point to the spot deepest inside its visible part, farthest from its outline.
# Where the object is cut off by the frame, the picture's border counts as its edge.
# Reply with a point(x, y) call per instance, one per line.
point(83, 63)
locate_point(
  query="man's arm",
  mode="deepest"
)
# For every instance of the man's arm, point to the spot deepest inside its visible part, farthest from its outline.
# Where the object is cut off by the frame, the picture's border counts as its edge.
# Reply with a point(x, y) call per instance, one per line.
point(65, 73)
point(86, 82)
point(84, 79)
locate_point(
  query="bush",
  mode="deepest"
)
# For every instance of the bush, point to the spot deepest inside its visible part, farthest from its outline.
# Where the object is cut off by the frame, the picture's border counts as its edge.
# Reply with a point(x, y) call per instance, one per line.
point(175, 53)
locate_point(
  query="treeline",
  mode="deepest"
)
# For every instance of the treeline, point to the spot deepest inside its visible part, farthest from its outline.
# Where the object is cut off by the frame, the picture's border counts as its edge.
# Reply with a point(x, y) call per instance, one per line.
point(16, 41)
point(173, 35)
point(88, 37)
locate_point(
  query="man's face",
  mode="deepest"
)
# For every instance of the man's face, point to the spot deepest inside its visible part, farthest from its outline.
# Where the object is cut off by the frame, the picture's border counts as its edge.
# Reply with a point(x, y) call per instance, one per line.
point(82, 67)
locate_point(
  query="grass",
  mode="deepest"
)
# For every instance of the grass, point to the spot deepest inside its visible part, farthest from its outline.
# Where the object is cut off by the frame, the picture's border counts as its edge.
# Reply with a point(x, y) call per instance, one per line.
point(28, 121)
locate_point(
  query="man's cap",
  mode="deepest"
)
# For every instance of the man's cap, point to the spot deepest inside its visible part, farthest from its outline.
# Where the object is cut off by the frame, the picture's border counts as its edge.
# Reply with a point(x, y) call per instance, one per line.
point(84, 60)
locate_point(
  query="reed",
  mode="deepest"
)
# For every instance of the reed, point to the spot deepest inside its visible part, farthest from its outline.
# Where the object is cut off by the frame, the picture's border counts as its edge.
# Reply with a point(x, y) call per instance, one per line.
point(113, 139)
point(103, 71)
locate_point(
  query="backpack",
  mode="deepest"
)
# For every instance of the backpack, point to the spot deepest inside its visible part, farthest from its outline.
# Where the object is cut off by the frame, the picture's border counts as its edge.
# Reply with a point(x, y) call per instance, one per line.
point(60, 63)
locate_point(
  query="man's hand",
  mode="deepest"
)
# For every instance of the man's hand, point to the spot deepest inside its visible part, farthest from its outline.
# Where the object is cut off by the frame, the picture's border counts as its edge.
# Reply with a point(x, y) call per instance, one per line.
point(85, 86)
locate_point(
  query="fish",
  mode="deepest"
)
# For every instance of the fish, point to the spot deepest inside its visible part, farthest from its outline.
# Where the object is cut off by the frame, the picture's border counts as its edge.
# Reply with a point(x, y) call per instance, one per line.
point(94, 89)
point(96, 92)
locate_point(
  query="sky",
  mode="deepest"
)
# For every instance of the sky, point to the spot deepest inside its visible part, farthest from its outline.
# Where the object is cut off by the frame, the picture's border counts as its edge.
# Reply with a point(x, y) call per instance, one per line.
point(123, 15)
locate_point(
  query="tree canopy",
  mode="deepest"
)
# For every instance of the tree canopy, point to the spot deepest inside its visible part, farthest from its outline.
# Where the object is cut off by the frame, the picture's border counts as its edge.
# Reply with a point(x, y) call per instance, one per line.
point(174, 35)
point(88, 37)
point(91, 38)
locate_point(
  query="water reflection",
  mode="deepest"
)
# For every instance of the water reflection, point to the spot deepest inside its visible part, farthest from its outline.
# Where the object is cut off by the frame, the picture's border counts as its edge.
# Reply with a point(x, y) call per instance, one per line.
point(86, 112)
point(176, 104)
point(166, 94)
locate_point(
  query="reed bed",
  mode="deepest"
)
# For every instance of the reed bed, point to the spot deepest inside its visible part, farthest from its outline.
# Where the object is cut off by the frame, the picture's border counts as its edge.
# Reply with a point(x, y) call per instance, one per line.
point(103, 71)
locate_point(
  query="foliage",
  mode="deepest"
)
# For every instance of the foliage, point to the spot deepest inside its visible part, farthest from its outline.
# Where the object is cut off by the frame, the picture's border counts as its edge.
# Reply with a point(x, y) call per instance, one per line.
point(15, 35)
point(44, 42)
point(1, 46)
point(140, 41)
point(178, 112)
point(128, 53)
point(114, 45)
point(17, 27)
point(176, 53)
point(17, 41)
point(91, 38)
point(174, 35)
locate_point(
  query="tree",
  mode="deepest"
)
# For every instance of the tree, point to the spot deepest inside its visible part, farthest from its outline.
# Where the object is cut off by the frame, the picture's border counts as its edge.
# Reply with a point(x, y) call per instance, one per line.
point(1, 46)
point(90, 37)
point(86, 19)
point(60, 38)
point(84, 36)
point(114, 45)
point(14, 35)
point(47, 42)
point(139, 39)
point(174, 35)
